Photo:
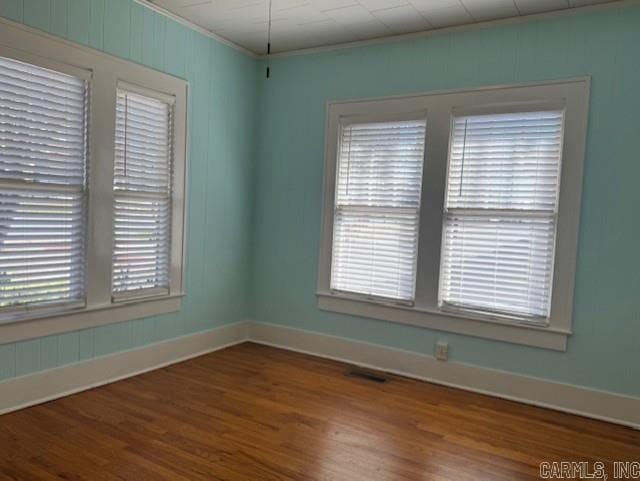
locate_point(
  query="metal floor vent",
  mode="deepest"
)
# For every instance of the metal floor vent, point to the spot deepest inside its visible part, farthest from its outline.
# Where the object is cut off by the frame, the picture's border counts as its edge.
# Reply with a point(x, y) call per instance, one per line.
point(366, 374)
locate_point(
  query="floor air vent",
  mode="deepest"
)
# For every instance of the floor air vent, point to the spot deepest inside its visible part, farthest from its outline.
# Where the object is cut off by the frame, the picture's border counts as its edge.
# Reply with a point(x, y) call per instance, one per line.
point(366, 374)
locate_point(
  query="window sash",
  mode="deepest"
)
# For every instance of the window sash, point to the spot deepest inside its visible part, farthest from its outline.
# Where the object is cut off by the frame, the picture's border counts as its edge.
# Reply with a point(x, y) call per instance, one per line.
point(500, 213)
point(572, 96)
point(142, 186)
point(376, 217)
point(462, 283)
point(104, 74)
point(43, 200)
point(391, 273)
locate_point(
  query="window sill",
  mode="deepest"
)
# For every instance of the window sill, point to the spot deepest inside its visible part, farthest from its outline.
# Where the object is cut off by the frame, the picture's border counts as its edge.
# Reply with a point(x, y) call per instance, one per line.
point(527, 334)
point(46, 323)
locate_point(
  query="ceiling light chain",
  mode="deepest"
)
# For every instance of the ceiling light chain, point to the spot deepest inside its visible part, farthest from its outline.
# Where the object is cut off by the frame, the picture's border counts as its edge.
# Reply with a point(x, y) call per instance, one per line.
point(269, 40)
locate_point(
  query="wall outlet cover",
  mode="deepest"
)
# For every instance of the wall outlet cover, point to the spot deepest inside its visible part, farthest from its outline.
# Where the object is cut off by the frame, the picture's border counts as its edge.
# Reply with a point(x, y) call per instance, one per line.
point(442, 351)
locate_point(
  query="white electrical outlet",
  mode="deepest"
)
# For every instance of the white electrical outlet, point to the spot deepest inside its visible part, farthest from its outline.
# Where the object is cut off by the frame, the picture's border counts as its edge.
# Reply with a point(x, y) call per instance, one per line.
point(442, 351)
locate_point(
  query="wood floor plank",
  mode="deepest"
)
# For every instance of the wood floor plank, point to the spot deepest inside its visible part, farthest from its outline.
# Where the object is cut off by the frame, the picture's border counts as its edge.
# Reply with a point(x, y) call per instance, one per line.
point(255, 413)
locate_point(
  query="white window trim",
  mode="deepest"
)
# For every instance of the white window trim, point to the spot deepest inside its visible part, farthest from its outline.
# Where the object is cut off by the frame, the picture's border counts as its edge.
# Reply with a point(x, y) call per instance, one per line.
point(105, 72)
point(371, 116)
point(573, 96)
point(176, 249)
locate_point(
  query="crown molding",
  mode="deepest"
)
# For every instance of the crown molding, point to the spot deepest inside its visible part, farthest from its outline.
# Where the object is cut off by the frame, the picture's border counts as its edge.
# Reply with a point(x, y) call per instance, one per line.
point(455, 28)
point(187, 23)
point(390, 38)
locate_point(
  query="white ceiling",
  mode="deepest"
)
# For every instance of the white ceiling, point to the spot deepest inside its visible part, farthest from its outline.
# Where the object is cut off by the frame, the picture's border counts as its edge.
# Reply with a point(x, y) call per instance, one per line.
point(298, 24)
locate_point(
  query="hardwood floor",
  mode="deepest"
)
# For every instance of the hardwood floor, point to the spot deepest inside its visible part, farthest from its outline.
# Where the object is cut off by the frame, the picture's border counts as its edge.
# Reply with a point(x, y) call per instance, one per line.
point(254, 413)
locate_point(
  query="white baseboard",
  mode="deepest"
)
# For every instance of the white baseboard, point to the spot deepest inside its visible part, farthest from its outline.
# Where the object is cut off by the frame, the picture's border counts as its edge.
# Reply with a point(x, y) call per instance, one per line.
point(25, 391)
point(44, 386)
point(602, 405)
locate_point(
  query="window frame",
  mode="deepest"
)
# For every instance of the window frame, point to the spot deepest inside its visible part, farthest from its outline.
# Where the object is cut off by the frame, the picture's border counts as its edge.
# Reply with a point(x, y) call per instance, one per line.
point(570, 94)
point(174, 268)
point(373, 117)
point(104, 73)
point(542, 106)
point(18, 312)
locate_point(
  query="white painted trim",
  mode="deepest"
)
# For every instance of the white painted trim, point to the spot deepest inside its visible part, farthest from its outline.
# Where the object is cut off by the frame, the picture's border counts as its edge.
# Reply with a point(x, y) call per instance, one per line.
point(32, 389)
point(106, 71)
point(460, 323)
point(378, 40)
point(195, 27)
point(50, 322)
point(583, 401)
point(425, 311)
point(454, 28)
point(391, 38)
point(25, 391)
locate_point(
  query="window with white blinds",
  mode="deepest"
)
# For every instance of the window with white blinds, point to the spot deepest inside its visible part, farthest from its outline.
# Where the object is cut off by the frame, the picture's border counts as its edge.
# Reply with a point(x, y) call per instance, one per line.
point(142, 191)
point(43, 156)
point(491, 179)
point(92, 188)
point(500, 213)
point(377, 205)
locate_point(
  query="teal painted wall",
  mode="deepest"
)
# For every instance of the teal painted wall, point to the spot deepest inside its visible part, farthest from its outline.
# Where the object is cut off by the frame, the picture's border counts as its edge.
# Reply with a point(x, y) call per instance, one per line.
point(604, 351)
point(256, 161)
point(224, 92)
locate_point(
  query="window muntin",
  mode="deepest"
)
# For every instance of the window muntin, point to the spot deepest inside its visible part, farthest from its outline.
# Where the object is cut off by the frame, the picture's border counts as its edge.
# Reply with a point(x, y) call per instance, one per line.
point(101, 75)
point(142, 194)
point(500, 213)
point(377, 208)
point(550, 217)
point(43, 161)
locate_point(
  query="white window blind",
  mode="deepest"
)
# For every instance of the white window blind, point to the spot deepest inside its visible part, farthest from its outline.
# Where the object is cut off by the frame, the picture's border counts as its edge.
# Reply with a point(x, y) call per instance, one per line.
point(500, 213)
point(43, 154)
point(376, 217)
point(142, 191)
